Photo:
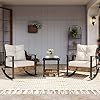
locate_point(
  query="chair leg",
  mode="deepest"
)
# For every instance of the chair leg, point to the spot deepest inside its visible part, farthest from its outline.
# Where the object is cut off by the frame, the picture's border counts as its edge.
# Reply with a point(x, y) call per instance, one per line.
point(3, 69)
point(13, 72)
point(35, 67)
point(67, 65)
point(92, 77)
point(90, 67)
point(97, 70)
point(67, 74)
point(30, 73)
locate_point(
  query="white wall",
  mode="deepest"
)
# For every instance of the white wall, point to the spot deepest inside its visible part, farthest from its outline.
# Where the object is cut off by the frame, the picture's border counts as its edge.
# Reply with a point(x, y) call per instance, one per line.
point(55, 22)
point(92, 31)
point(91, 3)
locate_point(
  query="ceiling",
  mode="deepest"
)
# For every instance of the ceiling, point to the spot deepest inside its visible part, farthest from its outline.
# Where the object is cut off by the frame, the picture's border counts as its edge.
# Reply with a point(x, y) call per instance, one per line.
point(44, 2)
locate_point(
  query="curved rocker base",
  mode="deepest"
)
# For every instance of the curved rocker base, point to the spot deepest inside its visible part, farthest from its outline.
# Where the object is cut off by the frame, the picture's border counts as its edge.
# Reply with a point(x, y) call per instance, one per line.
point(69, 75)
point(30, 73)
point(7, 74)
point(94, 74)
point(4, 71)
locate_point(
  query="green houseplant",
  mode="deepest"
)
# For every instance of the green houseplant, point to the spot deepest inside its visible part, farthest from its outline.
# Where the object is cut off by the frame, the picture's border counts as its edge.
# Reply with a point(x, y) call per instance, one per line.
point(74, 32)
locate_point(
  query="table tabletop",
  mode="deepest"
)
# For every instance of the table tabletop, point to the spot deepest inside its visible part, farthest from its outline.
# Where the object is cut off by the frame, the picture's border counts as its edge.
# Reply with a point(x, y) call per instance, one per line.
point(51, 58)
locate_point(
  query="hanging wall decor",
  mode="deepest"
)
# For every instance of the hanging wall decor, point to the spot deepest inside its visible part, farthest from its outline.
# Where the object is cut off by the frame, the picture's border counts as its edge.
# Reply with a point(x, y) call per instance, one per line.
point(74, 38)
point(34, 26)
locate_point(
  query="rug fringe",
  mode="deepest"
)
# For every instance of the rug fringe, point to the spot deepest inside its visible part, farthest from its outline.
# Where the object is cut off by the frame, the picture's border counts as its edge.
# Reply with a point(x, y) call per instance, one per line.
point(43, 92)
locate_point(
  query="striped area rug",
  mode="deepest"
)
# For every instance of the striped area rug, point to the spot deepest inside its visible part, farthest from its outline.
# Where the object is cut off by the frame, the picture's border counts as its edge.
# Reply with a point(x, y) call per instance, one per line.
point(50, 85)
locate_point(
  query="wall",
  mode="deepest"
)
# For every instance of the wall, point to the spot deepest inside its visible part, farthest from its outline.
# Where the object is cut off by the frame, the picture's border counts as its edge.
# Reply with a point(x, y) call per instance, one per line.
point(91, 3)
point(92, 31)
point(55, 22)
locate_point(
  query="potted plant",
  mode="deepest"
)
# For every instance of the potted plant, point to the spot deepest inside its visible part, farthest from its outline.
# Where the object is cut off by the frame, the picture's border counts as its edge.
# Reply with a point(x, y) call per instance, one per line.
point(34, 26)
point(74, 32)
point(50, 52)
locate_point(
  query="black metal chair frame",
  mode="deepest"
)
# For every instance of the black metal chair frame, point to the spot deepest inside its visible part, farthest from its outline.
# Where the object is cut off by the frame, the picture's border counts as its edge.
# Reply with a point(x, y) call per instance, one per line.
point(91, 71)
point(6, 67)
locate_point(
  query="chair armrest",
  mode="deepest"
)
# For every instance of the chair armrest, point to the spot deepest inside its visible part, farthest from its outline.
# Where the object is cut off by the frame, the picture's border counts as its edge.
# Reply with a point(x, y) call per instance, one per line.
point(12, 60)
point(34, 55)
point(29, 56)
point(93, 56)
point(35, 58)
point(73, 57)
point(11, 57)
point(96, 58)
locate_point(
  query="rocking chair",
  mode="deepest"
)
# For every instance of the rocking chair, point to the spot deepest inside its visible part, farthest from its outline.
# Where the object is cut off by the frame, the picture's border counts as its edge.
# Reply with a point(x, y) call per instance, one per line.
point(15, 58)
point(85, 58)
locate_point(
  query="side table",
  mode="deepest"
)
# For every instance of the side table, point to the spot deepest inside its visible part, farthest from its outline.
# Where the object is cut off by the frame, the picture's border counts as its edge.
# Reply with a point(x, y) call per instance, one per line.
point(49, 59)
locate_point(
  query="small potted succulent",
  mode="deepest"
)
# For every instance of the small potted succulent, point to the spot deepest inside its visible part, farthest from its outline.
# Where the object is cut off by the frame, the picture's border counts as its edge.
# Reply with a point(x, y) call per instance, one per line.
point(50, 52)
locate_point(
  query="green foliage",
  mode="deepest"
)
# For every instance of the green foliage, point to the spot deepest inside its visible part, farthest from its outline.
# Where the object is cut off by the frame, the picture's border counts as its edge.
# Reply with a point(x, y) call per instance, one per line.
point(74, 32)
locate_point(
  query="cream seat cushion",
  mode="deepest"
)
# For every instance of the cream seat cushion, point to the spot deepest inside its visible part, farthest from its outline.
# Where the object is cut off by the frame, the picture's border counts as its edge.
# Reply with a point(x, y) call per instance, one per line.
point(83, 64)
point(25, 63)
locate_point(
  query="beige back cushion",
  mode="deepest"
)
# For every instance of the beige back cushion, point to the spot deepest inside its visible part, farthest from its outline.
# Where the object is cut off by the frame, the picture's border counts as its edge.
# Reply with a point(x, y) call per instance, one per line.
point(85, 51)
point(16, 51)
point(81, 52)
point(91, 50)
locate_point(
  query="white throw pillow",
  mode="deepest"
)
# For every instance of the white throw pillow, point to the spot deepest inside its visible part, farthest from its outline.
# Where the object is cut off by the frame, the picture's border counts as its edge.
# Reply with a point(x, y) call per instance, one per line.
point(10, 51)
point(91, 50)
point(81, 52)
point(20, 53)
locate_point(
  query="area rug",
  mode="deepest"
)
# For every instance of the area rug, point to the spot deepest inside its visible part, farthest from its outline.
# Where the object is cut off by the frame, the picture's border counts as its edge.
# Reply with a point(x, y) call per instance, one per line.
point(49, 85)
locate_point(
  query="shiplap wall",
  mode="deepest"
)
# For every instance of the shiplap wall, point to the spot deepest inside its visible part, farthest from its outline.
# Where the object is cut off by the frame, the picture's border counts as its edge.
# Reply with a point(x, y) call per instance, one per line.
point(55, 21)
